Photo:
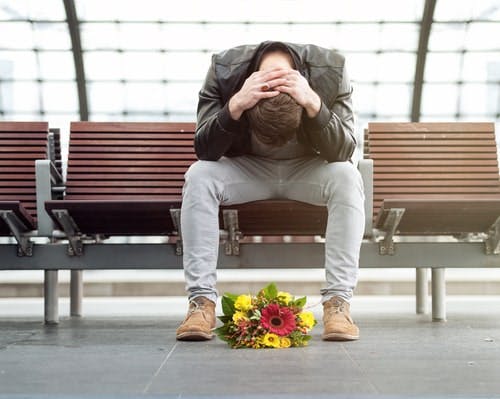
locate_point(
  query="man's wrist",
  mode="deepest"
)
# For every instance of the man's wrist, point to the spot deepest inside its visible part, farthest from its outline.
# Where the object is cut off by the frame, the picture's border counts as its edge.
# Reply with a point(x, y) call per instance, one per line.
point(234, 110)
point(313, 106)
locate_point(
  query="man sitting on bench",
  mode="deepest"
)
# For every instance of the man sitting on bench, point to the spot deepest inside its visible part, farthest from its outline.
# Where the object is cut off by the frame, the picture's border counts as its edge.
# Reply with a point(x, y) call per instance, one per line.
point(275, 121)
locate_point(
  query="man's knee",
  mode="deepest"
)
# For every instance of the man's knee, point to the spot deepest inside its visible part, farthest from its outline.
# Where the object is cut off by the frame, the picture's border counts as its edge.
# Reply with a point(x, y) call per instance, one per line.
point(201, 172)
point(343, 174)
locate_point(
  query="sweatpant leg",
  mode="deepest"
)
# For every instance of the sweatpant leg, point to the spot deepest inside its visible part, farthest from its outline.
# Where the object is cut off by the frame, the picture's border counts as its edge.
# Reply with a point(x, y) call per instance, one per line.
point(339, 186)
point(209, 184)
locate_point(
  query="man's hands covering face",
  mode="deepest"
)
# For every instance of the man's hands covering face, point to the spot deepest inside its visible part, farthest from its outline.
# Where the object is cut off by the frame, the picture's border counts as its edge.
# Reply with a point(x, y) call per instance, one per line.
point(269, 83)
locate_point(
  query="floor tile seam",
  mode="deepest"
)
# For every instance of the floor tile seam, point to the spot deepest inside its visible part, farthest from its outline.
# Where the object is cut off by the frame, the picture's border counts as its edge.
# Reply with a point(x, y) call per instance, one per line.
point(361, 370)
point(167, 357)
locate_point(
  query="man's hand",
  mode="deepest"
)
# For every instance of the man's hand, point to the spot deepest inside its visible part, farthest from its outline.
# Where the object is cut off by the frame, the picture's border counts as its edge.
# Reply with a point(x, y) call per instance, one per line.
point(298, 88)
point(259, 85)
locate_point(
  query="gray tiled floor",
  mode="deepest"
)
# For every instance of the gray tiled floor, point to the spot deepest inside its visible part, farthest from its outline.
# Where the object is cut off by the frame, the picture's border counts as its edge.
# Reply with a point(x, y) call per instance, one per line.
point(400, 355)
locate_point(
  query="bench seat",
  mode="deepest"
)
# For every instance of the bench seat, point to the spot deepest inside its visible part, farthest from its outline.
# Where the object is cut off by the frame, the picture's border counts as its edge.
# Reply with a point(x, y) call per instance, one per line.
point(20, 213)
point(21, 144)
point(441, 216)
point(445, 176)
point(124, 178)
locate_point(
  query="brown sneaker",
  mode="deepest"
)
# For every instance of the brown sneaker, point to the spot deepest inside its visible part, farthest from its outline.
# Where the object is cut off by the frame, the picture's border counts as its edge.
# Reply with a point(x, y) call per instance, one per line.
point(199, 322)
point(338, 325)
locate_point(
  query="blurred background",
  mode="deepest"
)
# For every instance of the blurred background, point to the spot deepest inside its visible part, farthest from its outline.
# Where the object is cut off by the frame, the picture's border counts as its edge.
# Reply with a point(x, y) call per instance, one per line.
point(129, 60)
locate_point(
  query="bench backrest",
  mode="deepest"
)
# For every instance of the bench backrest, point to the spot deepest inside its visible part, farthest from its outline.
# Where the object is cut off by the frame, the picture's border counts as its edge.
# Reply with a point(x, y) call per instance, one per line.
point(21, 144)
point(124, 161)
point(432, 161)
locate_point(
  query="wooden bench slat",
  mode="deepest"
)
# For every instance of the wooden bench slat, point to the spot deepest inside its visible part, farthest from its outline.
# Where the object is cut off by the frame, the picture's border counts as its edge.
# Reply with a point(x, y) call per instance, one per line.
point(85, 175)
point(118, 191)
point(142, 162)
point(430, 135)
point(132, 149)
point(16, 162)
point(6, 126)
point(435, 155)
point(24, 135)
point(176, 181)
point(133, 127)
point(133, 169)
point(437, 176)
point(17, 183)
point(472, 142)
point(174, 152)
point(437, 189)
point(431, 126)
point(23, 155)
point(124, 142)
point(440, 183)
point(11, 149)
point(436, 169)
point(437, 162)
point(427, 149)
point(443, 196)
point(160, 135)
point(22, 142)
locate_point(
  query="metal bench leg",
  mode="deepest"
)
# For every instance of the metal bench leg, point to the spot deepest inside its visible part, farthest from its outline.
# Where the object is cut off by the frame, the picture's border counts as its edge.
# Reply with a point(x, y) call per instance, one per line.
point(422, 290)
point(438, 294)
point(76, 293)
point(51, 296)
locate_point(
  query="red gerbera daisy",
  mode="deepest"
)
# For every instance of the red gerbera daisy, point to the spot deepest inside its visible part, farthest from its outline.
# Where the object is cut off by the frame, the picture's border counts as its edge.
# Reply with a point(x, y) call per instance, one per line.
point(278, 320)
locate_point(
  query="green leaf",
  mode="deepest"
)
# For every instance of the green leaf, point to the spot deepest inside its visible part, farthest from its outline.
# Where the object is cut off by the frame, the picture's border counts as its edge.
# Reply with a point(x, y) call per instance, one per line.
point(224, 319)
point(300, 302)
point(222, 333)
point(233, 297)
point(271, 291)
point(227, 305)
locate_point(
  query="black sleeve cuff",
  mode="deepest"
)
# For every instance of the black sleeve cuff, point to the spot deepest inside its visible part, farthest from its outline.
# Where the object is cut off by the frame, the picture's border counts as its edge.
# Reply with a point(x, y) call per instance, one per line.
point(226, 122)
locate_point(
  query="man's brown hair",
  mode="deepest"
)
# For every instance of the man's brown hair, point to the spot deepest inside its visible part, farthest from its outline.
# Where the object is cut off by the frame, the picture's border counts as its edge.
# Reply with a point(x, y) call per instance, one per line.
point(275, 120)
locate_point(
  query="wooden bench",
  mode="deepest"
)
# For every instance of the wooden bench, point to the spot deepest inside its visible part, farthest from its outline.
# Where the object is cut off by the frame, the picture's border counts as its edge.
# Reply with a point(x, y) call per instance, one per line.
point(435, 179)
point(21, 144)
point(125, 179)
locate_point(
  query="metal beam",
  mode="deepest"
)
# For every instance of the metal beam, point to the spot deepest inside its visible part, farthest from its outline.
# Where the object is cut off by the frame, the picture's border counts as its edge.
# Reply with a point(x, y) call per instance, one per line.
point(252, 255)
point(423, 44)
point(76, 44)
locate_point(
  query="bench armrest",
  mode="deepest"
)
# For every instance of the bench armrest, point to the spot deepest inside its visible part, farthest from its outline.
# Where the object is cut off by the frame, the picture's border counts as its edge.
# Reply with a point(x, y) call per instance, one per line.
point(365, 167)
point(44, 180)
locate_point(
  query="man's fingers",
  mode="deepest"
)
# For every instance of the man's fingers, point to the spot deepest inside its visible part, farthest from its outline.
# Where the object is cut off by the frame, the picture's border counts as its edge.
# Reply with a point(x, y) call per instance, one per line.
point(276, 82)
point(274, 74)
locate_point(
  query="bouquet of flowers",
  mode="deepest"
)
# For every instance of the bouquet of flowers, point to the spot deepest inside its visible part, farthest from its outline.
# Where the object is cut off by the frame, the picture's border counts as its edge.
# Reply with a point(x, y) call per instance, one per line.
point(271, 319)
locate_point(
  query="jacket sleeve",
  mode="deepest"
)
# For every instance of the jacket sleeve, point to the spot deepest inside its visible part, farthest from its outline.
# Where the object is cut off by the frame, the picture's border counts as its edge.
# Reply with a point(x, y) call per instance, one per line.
point(331, 132)
point(215, 130)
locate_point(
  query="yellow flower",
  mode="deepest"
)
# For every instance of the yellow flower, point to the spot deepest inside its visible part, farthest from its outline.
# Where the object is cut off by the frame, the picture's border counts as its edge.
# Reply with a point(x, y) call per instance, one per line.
point(285, 342)
point(271, 340)
point(243, 302)
point(258, 343)
point(285, 297)
point(238, 316)
point(307, 319)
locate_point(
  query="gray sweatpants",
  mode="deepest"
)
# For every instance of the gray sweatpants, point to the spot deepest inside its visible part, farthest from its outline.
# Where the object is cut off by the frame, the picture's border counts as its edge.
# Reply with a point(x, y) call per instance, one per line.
point(248, 178)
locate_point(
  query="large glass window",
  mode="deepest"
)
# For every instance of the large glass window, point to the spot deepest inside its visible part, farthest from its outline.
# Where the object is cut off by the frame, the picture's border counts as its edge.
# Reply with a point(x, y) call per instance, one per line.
point(147, 60)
